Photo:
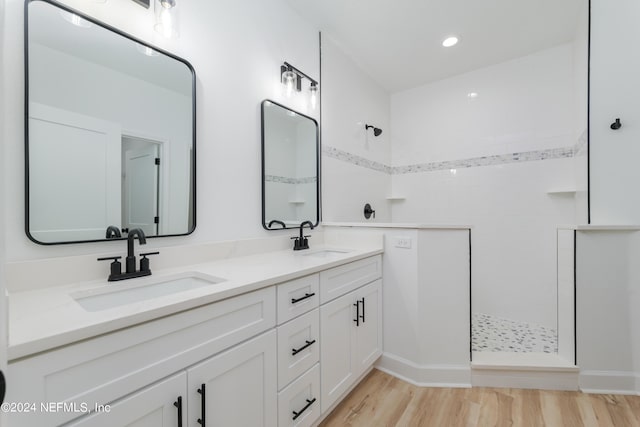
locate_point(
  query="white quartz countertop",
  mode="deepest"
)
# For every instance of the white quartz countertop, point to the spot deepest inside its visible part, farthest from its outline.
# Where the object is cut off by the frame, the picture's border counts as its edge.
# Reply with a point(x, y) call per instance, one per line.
point(604, 227)
point(397, 225)
point(43, 319)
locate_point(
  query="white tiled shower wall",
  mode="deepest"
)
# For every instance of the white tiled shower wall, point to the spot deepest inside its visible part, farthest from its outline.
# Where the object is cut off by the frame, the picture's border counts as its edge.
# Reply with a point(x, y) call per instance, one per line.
point(351, 99)
point(487, 161)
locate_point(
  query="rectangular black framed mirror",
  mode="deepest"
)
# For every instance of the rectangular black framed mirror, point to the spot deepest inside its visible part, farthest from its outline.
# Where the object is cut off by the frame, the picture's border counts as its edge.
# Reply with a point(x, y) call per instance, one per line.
point(109, 131)
point(290, 167)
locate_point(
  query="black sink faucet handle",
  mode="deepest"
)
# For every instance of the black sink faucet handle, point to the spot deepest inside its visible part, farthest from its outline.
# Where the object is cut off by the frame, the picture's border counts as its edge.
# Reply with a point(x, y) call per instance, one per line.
point(116, 266)
point(144, 261)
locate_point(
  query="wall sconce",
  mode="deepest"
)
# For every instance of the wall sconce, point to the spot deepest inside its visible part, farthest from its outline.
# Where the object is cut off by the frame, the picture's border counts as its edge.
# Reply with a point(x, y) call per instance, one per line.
point(292, 78)
point(166, 18)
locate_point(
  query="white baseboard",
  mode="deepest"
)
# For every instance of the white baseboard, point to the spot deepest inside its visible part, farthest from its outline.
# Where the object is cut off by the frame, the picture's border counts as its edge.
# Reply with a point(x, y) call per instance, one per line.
point(531, 379)
point(610, 382)
point(425, 375)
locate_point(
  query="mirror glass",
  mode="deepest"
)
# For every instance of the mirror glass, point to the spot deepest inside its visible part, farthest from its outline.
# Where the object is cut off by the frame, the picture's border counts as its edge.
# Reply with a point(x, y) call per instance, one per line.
point(290, 173)
point(110, 137)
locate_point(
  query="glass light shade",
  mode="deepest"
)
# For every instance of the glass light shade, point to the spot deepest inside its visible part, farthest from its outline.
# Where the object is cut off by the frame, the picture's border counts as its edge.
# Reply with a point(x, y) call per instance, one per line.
point(313, 99)
point(289, 80)
point(166, 22)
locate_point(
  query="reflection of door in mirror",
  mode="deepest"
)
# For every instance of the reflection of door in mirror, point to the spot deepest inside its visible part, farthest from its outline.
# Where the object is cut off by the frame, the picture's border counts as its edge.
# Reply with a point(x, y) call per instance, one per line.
point(61, 206)
point(140, 185)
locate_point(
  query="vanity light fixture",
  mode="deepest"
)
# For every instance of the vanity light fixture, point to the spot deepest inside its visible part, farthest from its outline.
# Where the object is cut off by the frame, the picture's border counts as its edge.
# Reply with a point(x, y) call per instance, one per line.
point(450, 41)
point(292, 78)
point(166, 18)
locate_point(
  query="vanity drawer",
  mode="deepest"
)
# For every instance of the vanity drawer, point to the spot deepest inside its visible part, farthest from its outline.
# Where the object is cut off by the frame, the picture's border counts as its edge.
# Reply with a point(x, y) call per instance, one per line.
point(298, 296)
point(302, 337)
point(302, 397)
point(345, 278)
point(105, 368)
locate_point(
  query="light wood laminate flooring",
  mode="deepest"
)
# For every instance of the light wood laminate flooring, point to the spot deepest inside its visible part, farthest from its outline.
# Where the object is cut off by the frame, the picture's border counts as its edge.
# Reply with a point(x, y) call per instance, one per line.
point(383, 400)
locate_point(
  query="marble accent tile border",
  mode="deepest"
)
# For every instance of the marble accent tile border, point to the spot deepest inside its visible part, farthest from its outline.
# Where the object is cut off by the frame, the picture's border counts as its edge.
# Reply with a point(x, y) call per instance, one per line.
point(345, 156)
point(289, 180)
point(498, 159)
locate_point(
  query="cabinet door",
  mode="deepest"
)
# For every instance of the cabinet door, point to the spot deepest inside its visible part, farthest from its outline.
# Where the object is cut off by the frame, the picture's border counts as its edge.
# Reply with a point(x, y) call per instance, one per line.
point(337, 349)
point(153, 406)
point(237, 388)
point(369, 331)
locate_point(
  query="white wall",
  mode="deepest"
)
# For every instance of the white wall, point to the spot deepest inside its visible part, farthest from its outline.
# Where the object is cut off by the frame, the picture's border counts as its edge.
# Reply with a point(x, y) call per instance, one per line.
point(4, 313)
point(523, 105)
point(581, 110)
point(615, 90)
point(236, 49)
point(608, 297)
point(351, 99)
point(426, 306)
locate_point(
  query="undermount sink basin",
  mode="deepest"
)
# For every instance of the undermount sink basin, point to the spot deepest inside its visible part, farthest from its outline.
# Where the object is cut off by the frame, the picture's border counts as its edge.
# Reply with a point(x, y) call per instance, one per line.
point(123, 293)
point(326, 253)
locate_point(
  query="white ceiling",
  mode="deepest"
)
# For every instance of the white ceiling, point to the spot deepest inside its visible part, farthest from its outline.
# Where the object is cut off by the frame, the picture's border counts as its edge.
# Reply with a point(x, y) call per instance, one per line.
point(398, 42)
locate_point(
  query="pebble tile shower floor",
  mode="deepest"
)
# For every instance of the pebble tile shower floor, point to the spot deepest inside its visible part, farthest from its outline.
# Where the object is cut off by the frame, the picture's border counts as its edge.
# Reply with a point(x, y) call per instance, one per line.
point(491, 333)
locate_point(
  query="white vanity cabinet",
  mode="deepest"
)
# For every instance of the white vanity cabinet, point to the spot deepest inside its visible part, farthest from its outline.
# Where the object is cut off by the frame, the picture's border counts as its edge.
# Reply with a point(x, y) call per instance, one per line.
point(106, 368)
point(350, 328)
point(237, 387)
point(162, 404)
point(278, 356)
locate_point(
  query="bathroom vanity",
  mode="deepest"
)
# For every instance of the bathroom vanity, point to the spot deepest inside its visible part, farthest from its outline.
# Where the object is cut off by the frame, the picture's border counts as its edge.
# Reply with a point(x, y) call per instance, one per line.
point(274, 338)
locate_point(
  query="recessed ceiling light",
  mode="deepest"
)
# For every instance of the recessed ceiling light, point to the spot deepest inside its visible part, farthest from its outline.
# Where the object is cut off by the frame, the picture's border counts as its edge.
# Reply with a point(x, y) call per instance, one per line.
point(472, 94)
point(450, 41)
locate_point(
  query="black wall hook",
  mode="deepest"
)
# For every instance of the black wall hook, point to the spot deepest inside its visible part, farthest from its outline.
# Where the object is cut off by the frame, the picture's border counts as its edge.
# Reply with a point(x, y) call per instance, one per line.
point(616, 125)
point(368, 211)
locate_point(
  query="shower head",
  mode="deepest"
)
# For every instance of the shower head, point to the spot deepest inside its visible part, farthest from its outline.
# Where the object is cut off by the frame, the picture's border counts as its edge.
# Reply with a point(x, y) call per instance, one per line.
point(376, 131)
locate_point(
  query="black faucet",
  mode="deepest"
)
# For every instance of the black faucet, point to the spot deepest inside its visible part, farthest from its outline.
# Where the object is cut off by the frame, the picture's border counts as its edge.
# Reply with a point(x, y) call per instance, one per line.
point(302, 242)
point(113, 232)
point(277, 221)
point(130, 273)
point(131, 257)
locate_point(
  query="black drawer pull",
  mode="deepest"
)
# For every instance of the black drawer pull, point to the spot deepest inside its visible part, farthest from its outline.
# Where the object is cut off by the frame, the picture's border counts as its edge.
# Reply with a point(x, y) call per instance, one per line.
point(202, 391)
point(296, 351)
point(362, 317)
point(357, 319)
point(295, 300)
point(178, 404)
point(309, 403)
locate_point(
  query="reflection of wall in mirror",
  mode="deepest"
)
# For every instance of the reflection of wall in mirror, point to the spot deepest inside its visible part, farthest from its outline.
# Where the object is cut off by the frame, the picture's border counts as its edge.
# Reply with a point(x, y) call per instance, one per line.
point(74, 84)
point(306, 171)
point(290, 159)
point(280, 166)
